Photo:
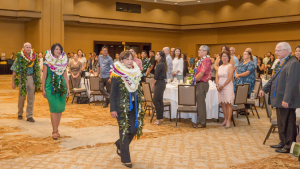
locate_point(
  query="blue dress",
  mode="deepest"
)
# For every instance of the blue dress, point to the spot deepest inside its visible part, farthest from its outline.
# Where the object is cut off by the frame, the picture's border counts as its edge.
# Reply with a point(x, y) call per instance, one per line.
point(246, 79)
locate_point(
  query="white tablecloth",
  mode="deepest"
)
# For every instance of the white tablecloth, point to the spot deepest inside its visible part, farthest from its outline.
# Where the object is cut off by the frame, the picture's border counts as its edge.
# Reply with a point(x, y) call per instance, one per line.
point(212, 104)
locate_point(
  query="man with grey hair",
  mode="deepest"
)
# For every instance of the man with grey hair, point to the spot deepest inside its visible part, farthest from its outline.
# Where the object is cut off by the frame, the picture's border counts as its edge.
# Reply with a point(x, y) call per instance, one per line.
point(284, 94)
point(202, 76)
point(28, 79)
point(169, 62)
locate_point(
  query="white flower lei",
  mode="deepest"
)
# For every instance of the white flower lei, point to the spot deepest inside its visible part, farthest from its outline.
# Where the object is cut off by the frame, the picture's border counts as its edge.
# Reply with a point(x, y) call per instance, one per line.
point(56, 65)
point(30, 56)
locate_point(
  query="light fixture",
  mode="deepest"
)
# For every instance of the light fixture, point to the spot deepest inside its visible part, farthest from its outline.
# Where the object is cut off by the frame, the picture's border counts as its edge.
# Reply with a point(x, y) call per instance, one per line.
point(199, 1)
point(175, 3)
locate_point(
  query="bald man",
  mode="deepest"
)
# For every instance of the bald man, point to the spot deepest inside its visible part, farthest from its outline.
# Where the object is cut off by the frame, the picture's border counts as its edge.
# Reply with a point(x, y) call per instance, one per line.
point(30, 83)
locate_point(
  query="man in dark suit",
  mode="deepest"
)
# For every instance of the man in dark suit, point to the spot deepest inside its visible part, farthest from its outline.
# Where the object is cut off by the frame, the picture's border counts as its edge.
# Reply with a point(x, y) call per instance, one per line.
point(284, 92)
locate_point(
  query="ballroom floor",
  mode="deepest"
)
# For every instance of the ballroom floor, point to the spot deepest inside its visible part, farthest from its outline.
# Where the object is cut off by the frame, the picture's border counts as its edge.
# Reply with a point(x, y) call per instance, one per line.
point(88, 133)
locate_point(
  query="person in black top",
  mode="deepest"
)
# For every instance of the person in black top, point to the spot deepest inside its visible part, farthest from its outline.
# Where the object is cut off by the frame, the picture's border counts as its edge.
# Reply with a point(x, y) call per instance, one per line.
point(270, 63)
point(185, 65)
point(160, 86)
point(260, 67)
point(152, 63)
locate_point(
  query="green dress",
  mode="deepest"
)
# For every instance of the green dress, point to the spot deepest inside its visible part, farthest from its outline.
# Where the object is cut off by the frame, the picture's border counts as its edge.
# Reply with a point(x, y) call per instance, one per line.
point(56, 103)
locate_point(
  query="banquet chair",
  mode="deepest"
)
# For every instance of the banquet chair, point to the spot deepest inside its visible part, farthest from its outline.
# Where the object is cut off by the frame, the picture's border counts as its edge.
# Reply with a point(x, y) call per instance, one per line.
point(149, 101)
point(186, 101)
point(241, 96)
point(185, 79)
point(95, 88)
point(150, 81)
point(273, 118)
point(251, 103)
point(75, 91)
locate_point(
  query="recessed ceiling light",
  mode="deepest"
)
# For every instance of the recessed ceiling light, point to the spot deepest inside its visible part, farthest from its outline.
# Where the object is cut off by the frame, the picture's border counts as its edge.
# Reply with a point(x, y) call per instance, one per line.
point(199, 1)
point(175, 3)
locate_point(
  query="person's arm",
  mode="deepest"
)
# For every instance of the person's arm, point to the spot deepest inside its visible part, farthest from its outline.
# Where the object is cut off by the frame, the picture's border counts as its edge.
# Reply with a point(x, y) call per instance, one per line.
point(80, 68)
point(84, 63)
point(229, 79)
point(158, 70)
point(113, 98)
point(217, 64)
point(262, 67)
point(291, 83)
point(44, 80)
point(65, 75)
point(232, 62)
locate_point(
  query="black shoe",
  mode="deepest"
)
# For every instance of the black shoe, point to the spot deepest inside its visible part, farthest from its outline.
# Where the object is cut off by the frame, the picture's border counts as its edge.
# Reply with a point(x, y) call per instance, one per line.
point(277, 146)
point(284, 150)
point(20, 117)
point(127, 165)
point(30, 119)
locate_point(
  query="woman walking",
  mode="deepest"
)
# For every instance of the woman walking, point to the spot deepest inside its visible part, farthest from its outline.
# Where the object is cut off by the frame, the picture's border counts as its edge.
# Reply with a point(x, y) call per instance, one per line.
point(225, 87)
point(125, 100)
point(54, 85)
point(160, 86)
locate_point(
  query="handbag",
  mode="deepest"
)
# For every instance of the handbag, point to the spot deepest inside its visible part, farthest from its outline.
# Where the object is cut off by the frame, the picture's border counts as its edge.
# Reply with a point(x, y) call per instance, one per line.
point(83, 99)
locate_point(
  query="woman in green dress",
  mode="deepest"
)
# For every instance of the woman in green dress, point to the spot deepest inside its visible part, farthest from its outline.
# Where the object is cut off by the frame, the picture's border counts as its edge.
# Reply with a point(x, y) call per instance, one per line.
point(54, 85)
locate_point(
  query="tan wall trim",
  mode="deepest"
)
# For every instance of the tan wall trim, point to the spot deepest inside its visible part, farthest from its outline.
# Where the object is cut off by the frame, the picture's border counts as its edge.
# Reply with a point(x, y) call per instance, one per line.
point(105, 21)
point(20, 14)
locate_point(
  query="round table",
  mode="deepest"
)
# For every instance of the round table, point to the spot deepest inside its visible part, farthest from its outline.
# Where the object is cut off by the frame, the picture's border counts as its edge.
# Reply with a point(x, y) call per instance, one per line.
point(212, 104)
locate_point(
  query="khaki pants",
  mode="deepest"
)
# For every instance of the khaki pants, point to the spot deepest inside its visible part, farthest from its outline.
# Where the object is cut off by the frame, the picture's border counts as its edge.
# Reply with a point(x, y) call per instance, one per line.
point(30, 88)
point(201, 91)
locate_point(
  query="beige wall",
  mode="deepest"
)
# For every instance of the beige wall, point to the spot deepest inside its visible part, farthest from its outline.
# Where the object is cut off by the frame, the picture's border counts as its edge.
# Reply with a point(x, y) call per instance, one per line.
point(151, 12)
point(79, 37)
point(12, 37)
point(237, 10)
point(30, 5)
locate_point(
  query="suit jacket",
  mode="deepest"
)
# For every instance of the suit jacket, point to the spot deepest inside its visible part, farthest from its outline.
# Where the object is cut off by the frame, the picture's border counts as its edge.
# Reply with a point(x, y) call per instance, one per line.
point(288, 85)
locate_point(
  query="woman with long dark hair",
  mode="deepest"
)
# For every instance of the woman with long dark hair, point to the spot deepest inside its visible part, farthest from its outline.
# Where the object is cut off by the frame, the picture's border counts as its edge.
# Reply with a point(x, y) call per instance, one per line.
point(177, 65)
point(81, 58)
point(219, 61)
point(270, 64)
point(54, 85)
point(260, 67)
point(160, 86)
point(93, 64)
point(297, 53)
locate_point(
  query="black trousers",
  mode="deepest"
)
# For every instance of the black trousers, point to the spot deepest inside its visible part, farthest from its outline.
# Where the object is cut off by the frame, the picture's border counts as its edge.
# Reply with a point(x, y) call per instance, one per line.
point(124, 146)
point(286, 119)
point(158, 101)
point(104, 82)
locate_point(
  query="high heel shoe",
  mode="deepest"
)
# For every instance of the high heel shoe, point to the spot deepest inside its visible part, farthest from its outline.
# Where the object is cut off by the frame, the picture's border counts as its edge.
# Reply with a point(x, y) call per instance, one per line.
point(128, 165)
point(55, 136)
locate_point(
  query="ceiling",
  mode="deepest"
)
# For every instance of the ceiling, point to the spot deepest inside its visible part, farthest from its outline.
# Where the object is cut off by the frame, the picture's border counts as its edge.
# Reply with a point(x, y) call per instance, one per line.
point(183, 2)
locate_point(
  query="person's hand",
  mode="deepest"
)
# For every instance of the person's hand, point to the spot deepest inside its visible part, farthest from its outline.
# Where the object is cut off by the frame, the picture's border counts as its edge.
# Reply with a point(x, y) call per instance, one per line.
point(218, 89)
point(173, 74)
point(237, 76)
point(261, 93)
point(109, 80)
point(221, 88)
point(285, 104)
point(13, 85)
point(68, 93)
point(44, 93)
point(114, 114)
point(73, 76)
point(95, 75)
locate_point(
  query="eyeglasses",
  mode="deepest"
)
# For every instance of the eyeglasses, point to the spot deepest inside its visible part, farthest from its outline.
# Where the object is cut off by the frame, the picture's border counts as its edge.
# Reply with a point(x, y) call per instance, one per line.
point(279, 50)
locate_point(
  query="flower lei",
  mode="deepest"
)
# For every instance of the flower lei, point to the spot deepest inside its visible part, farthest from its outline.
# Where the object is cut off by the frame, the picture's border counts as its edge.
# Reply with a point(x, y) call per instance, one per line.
point(278, 65)
point(23, 61)
point(57, 67)
point(129, 82)
point(199, 62)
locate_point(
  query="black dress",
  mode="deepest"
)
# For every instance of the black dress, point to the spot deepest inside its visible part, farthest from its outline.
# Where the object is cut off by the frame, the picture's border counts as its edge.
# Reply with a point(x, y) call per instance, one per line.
point(160, 86)
point(259, 72)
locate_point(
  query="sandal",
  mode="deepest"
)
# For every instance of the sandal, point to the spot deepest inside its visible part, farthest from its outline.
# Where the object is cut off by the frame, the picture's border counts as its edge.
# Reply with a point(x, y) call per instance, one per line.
point(158, 122)
point(54, 137)
point(58, 135)
point(194, 125)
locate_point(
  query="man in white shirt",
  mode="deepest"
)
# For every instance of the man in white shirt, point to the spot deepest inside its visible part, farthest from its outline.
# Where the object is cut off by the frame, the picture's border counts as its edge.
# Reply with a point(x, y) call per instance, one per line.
point(169, 62)
point(267, 58)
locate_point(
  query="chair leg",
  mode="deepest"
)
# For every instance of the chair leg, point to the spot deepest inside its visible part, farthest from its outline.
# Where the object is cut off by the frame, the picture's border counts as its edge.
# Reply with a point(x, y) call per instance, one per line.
point(274, 129)
point(176, 118)
point(247, 117)
point(262, 107)
point(73, 98)
point(233, 120)
point(256, 112)
point(268, 134)
point(170, 113)
point(252, 110)
point(152, 116)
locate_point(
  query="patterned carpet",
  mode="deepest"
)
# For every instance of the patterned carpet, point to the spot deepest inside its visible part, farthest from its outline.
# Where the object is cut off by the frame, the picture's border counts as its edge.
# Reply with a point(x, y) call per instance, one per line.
point(167, 147)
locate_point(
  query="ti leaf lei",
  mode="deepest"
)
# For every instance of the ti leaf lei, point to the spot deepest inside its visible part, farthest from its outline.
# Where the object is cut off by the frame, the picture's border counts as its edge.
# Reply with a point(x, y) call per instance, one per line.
point(278, 65)
point(22, 64)
point(125, 108)
point(58, 88)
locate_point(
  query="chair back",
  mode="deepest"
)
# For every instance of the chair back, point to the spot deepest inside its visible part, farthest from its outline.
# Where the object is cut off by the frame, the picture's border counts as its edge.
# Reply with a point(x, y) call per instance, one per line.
point(257, 87)
point(94, 83)
point(268, 107)
point(147, 92)
point(184, 79)
point(150, 81)
point(70, 83)
point(187, 95)
point(241, 94)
